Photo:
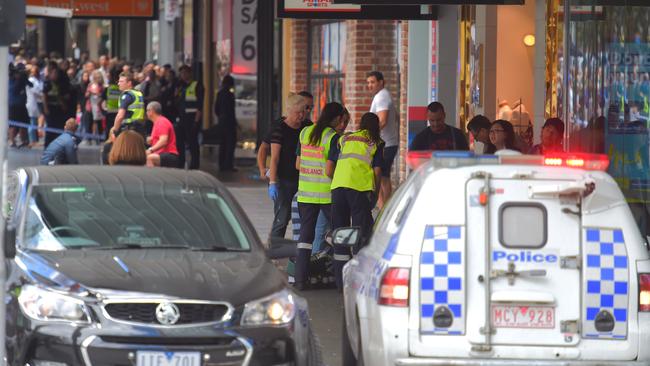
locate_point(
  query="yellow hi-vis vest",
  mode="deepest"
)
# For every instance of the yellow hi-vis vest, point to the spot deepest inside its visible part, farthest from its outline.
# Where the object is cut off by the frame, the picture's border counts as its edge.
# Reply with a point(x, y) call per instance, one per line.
point(354, 166)
point(113, 98)
point(136, 108)
point(313, 183)
point(191, 100)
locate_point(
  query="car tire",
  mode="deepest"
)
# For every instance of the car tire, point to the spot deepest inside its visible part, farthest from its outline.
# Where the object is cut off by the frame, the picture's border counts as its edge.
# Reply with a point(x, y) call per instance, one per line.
point(315, 350)
point(347, 354)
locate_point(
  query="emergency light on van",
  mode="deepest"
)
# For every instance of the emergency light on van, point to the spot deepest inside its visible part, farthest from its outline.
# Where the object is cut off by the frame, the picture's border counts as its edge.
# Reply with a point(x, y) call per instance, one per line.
point(453, 159)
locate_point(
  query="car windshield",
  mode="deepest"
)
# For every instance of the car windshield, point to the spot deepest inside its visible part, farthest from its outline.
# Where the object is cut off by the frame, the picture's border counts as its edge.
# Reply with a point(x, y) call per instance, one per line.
point(144, 216)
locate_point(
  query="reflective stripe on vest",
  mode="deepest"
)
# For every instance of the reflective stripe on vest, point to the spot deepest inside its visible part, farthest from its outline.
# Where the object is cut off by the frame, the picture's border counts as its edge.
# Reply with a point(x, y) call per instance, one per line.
point(113, 98)
point(191, 100)
point(313, 182)
point(136, 108)
point(354, 167)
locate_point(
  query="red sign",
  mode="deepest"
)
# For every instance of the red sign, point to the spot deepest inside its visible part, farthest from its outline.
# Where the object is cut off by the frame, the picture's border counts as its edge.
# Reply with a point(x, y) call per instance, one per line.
point(103, 8)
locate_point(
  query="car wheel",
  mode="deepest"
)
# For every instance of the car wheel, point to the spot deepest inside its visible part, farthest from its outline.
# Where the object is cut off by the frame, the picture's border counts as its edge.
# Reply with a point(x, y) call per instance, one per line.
point(346, 350)
point(315, 350)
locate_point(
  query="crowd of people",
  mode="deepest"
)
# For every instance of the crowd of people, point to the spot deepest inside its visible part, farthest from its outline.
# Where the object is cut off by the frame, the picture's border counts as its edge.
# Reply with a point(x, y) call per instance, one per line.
point(110, 95)
point(333, 178)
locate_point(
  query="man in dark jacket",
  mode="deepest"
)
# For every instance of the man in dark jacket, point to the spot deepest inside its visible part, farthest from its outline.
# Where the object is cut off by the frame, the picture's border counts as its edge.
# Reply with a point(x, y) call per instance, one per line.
point(224, 108)
point(63, 150)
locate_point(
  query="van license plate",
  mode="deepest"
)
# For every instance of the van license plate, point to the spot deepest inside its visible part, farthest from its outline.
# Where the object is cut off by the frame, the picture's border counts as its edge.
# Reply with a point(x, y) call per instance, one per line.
point(150, 358)
point(521, 316)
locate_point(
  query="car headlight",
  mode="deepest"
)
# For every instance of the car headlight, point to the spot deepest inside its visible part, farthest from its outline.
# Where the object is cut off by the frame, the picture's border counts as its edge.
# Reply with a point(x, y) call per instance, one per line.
point(276, 309)
point(46, 305)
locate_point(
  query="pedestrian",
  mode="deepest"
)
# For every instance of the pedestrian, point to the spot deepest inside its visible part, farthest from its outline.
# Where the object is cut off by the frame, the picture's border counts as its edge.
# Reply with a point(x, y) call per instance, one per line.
point(502, 137)
point(56, 98)
point(63, 150)
point(168, 94)
point(131, 113)
point(94, 99)
point(439, 136)
point(356, 163)
point(163, 150)
point(265, 146)
point(552, 136)
point(34, 102)
point(314, 191)
point(128, 149)
point(190, 102)
point(479, 126)
point(18, 83)
point(283, 176)
point(383, 106)
point(80, 90)
point(224, 108)
point(112, 97)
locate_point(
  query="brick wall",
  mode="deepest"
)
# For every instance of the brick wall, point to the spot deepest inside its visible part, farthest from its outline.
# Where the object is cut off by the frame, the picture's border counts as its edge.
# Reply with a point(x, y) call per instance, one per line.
point(403, 62)
point(298, 55)
point(371, 45)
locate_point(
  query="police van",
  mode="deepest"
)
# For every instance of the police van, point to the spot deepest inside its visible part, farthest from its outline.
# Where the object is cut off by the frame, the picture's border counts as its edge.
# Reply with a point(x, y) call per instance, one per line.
point(500, 260)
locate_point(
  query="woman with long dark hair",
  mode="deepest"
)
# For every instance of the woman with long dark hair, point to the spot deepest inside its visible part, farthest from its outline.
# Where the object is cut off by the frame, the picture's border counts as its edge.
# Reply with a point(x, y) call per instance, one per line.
point(314, 192)
point(502, 137)
point(355, 183)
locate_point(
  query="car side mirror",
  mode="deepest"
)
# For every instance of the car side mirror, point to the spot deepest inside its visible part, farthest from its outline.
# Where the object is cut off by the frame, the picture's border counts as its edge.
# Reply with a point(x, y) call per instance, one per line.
point(10, 241)
point(347, 236)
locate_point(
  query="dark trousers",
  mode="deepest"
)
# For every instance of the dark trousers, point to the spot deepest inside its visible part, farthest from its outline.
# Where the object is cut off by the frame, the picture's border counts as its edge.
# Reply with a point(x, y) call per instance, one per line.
point(308, 217)
point(56, 119)
point(227, 147)
point(187, 135)
point(349, 205)
point(110, 121)
point(282, 207)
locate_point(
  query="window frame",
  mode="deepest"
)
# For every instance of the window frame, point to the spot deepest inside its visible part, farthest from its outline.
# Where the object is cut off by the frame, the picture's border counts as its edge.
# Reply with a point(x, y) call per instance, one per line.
point(538, 205)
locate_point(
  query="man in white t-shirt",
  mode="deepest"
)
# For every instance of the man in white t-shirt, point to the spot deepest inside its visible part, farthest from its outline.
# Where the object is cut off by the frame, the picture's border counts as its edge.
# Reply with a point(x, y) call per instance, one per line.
point(382, 105)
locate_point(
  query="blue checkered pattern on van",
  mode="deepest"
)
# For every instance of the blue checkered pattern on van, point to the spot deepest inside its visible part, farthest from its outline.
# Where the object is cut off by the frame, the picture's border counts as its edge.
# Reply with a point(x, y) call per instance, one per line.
point(606, 276)
point(442, 274)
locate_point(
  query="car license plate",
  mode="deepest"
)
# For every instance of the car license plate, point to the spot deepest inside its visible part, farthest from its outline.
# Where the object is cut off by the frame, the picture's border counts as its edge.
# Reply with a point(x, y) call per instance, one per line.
point(152, 358)
point(521, 316)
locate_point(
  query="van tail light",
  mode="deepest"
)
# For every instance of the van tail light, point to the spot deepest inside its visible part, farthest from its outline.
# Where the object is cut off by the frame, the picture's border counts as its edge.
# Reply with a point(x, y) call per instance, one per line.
point(394, 290)
point(644, 292)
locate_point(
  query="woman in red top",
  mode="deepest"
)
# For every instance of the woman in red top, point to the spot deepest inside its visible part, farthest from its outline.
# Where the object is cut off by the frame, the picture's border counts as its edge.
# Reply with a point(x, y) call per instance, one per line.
point(163, 150)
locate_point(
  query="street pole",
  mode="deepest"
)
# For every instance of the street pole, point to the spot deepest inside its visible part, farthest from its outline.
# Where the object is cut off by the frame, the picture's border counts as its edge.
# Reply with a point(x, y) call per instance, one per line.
point(4, 126)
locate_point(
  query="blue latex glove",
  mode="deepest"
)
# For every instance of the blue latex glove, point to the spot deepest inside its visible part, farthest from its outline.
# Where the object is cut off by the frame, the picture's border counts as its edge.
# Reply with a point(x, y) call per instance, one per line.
point(273, 191)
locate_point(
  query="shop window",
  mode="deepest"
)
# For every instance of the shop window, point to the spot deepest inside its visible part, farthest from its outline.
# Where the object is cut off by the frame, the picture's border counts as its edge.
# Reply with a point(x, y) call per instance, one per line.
point(326, 63)
point(604, 93)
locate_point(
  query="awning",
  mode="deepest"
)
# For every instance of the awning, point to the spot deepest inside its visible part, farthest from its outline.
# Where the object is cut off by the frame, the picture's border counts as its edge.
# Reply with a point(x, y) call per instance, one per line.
point(430, 2)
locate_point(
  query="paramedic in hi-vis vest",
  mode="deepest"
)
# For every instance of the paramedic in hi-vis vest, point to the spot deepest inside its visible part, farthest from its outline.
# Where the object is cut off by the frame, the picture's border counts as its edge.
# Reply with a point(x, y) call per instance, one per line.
point(355, 184)
point(112, 98)
point(314, 192)
point(130, 115)
point(190, 103)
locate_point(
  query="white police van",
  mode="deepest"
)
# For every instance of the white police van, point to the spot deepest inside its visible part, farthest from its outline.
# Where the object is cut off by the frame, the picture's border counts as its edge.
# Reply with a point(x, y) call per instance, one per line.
point(500, 260)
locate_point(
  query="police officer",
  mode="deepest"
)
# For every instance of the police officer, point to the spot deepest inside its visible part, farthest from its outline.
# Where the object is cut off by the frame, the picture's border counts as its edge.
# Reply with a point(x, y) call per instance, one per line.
point(112, 98)
point(355, 183)
point(131, 113)
point(190, 102)
point(314, 191)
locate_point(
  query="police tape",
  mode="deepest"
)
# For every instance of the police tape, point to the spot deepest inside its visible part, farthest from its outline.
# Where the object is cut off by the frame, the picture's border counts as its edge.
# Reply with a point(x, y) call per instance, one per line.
point(56, 130)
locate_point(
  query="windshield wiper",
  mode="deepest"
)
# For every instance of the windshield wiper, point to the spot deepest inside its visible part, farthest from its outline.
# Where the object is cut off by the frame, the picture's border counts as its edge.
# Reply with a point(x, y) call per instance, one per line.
point(218, 248)
point(116, 247)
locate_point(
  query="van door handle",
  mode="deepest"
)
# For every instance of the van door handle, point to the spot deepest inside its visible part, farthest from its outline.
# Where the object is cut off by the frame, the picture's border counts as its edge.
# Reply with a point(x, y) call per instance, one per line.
point(511, 274)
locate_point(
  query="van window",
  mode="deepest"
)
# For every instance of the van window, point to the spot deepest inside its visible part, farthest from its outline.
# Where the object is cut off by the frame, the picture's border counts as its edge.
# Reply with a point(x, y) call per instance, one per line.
point(522, 225)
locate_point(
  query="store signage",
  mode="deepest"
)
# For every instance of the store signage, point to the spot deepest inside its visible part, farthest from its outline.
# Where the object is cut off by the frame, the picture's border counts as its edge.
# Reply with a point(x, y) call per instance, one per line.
point(244, 45)
point(104, 8)
point(318, 5)
point(331, 9)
